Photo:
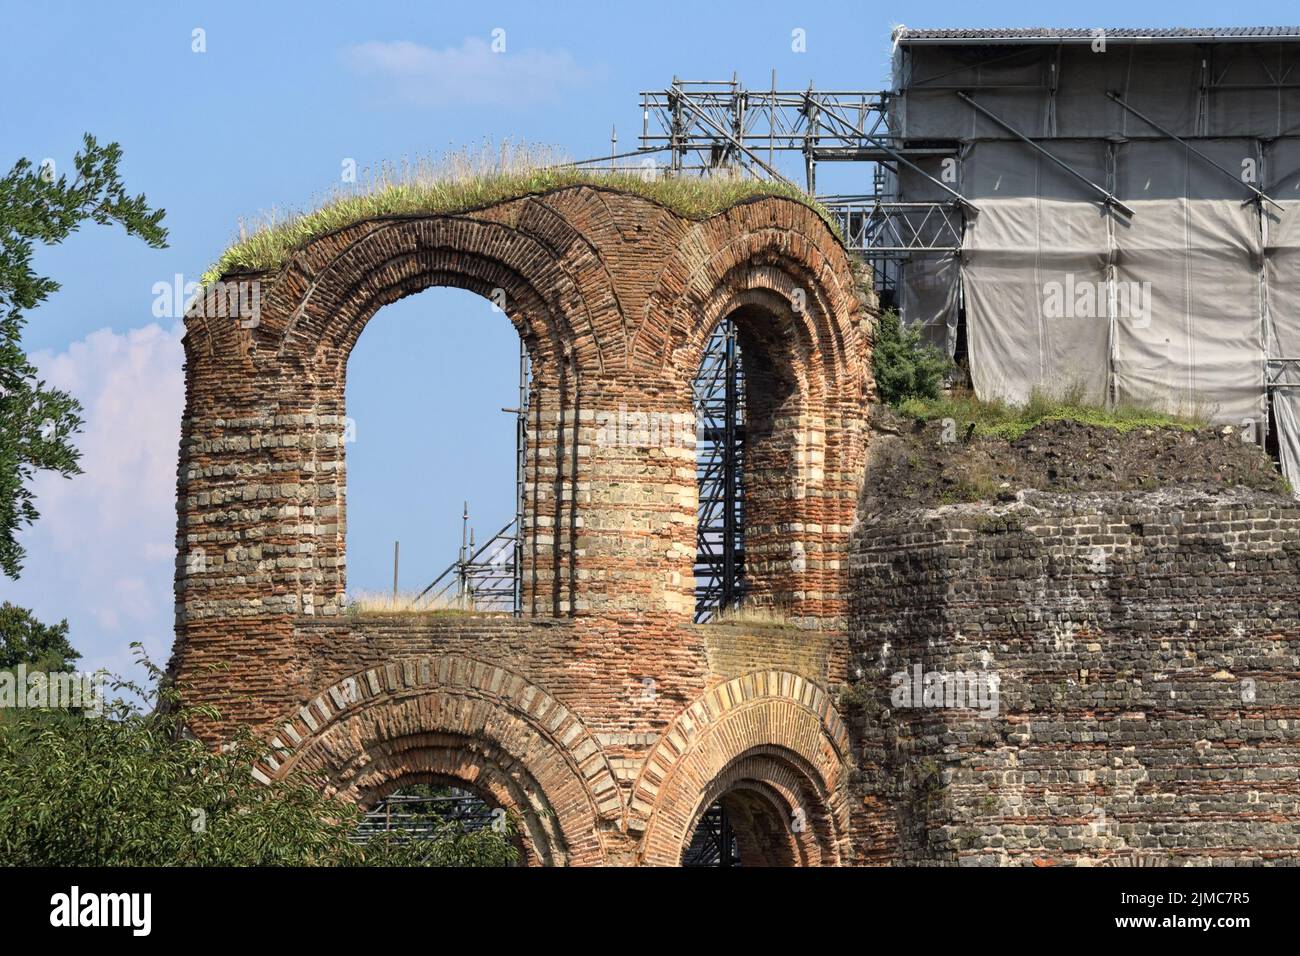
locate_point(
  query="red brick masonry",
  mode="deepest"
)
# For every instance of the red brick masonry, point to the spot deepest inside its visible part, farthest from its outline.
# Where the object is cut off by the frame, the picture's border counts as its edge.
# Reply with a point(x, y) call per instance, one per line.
point(604, 717)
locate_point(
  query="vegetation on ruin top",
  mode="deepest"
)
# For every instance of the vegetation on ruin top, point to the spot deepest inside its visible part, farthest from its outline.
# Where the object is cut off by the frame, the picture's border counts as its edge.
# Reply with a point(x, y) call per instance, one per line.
point(954, 449)
point(408, 602)
point(910, 379)
point(749, 615)
point(471, 179)
point(995, 419)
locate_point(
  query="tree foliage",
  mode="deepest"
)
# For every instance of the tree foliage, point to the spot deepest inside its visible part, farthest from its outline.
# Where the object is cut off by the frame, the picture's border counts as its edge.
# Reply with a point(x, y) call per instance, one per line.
point(904, 366)
point(25, 640)
point(135, 789)
point(36, 422)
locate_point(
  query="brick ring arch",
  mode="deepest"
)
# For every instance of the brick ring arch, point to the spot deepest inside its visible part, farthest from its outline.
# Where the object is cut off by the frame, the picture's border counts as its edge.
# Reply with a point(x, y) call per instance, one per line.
point(470, 763)
point(770, 733)
point(776, 820)
point(454, 718)
point(781, 273)
point(291, 367)
point(778, 245)
point(344, 278)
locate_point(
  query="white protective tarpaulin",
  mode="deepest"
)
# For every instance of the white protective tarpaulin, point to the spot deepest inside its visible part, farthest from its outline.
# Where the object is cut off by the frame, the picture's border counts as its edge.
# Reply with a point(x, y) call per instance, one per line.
point(929, 291)
point(1193, 303)
point(1282, 268)
point(1163, 309)
point(1034, 272)
point(929, 299)
point(1193, 252)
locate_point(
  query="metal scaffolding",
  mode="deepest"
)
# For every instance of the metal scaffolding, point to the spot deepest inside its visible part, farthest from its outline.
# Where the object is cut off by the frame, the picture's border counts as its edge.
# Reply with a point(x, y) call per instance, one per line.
point(489, 576)
point(713, 844)
point(420, 815)
point(484, 577)
point(719, 399)
point(712, 127)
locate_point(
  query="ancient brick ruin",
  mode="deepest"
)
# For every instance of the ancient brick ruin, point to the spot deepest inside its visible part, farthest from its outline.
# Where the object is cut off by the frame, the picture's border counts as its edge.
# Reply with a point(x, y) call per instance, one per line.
point(607, 720)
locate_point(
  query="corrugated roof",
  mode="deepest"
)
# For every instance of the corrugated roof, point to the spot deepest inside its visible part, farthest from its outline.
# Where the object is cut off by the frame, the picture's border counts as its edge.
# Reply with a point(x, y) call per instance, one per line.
point(1082, 34)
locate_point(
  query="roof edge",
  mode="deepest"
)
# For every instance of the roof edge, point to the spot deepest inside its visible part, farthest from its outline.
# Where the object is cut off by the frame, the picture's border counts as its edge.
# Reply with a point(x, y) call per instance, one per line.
point(1013, 36)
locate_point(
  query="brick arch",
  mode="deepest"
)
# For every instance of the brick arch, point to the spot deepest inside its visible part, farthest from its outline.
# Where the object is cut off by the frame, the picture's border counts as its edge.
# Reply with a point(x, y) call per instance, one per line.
point(776, 820)
point(335, 284)
point(780, 271)
point(776, 244)
point(558, 292)
point(473, 764)
point(456, 718)
point(773, 733)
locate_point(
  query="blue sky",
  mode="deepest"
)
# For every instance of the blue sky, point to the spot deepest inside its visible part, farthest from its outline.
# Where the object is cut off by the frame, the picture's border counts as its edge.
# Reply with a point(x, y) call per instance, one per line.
point(263, 119)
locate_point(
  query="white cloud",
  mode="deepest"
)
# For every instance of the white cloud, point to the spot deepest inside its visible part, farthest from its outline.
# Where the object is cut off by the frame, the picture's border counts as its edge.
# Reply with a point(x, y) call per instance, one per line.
point(103, 551)
point(471, 74)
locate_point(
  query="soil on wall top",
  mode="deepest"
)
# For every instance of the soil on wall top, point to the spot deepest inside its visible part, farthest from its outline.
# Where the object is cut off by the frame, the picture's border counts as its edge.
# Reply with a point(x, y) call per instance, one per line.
point(911, 465)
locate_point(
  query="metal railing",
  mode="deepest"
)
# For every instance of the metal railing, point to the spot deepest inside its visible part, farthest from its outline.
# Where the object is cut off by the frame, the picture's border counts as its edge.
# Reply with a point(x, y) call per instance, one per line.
point(484, 577)
point(423, 817)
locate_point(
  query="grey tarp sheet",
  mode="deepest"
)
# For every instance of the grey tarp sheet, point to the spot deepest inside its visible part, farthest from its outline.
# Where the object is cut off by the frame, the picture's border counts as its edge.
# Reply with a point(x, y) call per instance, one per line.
point(1163, 309)
point(1193, 250)
point(1028, 258)
point(929, 290)
point(1199, 293)
point(1282, 267)
point(929, 299)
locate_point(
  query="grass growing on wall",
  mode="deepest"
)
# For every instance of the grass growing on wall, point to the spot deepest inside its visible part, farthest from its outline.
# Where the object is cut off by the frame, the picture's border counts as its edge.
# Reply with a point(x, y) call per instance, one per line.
point(996, 419)
point(753, 615)
point(468, 179)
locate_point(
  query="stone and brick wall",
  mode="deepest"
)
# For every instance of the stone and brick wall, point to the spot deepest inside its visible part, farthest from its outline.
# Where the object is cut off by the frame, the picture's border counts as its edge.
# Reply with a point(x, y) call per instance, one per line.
point(1147, 650)
point(1144, 642)
point(609, 758)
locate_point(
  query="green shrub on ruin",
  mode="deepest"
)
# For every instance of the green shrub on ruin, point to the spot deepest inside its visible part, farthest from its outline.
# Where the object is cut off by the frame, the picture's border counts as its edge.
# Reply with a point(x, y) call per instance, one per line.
point(905, 367)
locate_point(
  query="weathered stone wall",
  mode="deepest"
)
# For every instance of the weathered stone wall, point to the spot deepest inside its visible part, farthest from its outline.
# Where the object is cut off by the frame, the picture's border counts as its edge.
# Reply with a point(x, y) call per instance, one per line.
point(1147, 646)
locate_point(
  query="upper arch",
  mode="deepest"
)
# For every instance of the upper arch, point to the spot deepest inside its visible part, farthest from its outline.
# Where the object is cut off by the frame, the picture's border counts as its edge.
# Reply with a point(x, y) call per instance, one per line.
point(779, 245)
point(346, 277)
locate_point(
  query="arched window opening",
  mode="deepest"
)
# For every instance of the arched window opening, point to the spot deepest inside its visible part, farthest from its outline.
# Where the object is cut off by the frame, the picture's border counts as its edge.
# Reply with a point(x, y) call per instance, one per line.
point(741, 828)
point(719, 398)
point(435, 450)
point(751, 464)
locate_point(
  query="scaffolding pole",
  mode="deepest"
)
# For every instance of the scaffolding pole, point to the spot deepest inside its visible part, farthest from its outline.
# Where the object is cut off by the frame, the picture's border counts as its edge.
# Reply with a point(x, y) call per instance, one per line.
point(489, 577)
